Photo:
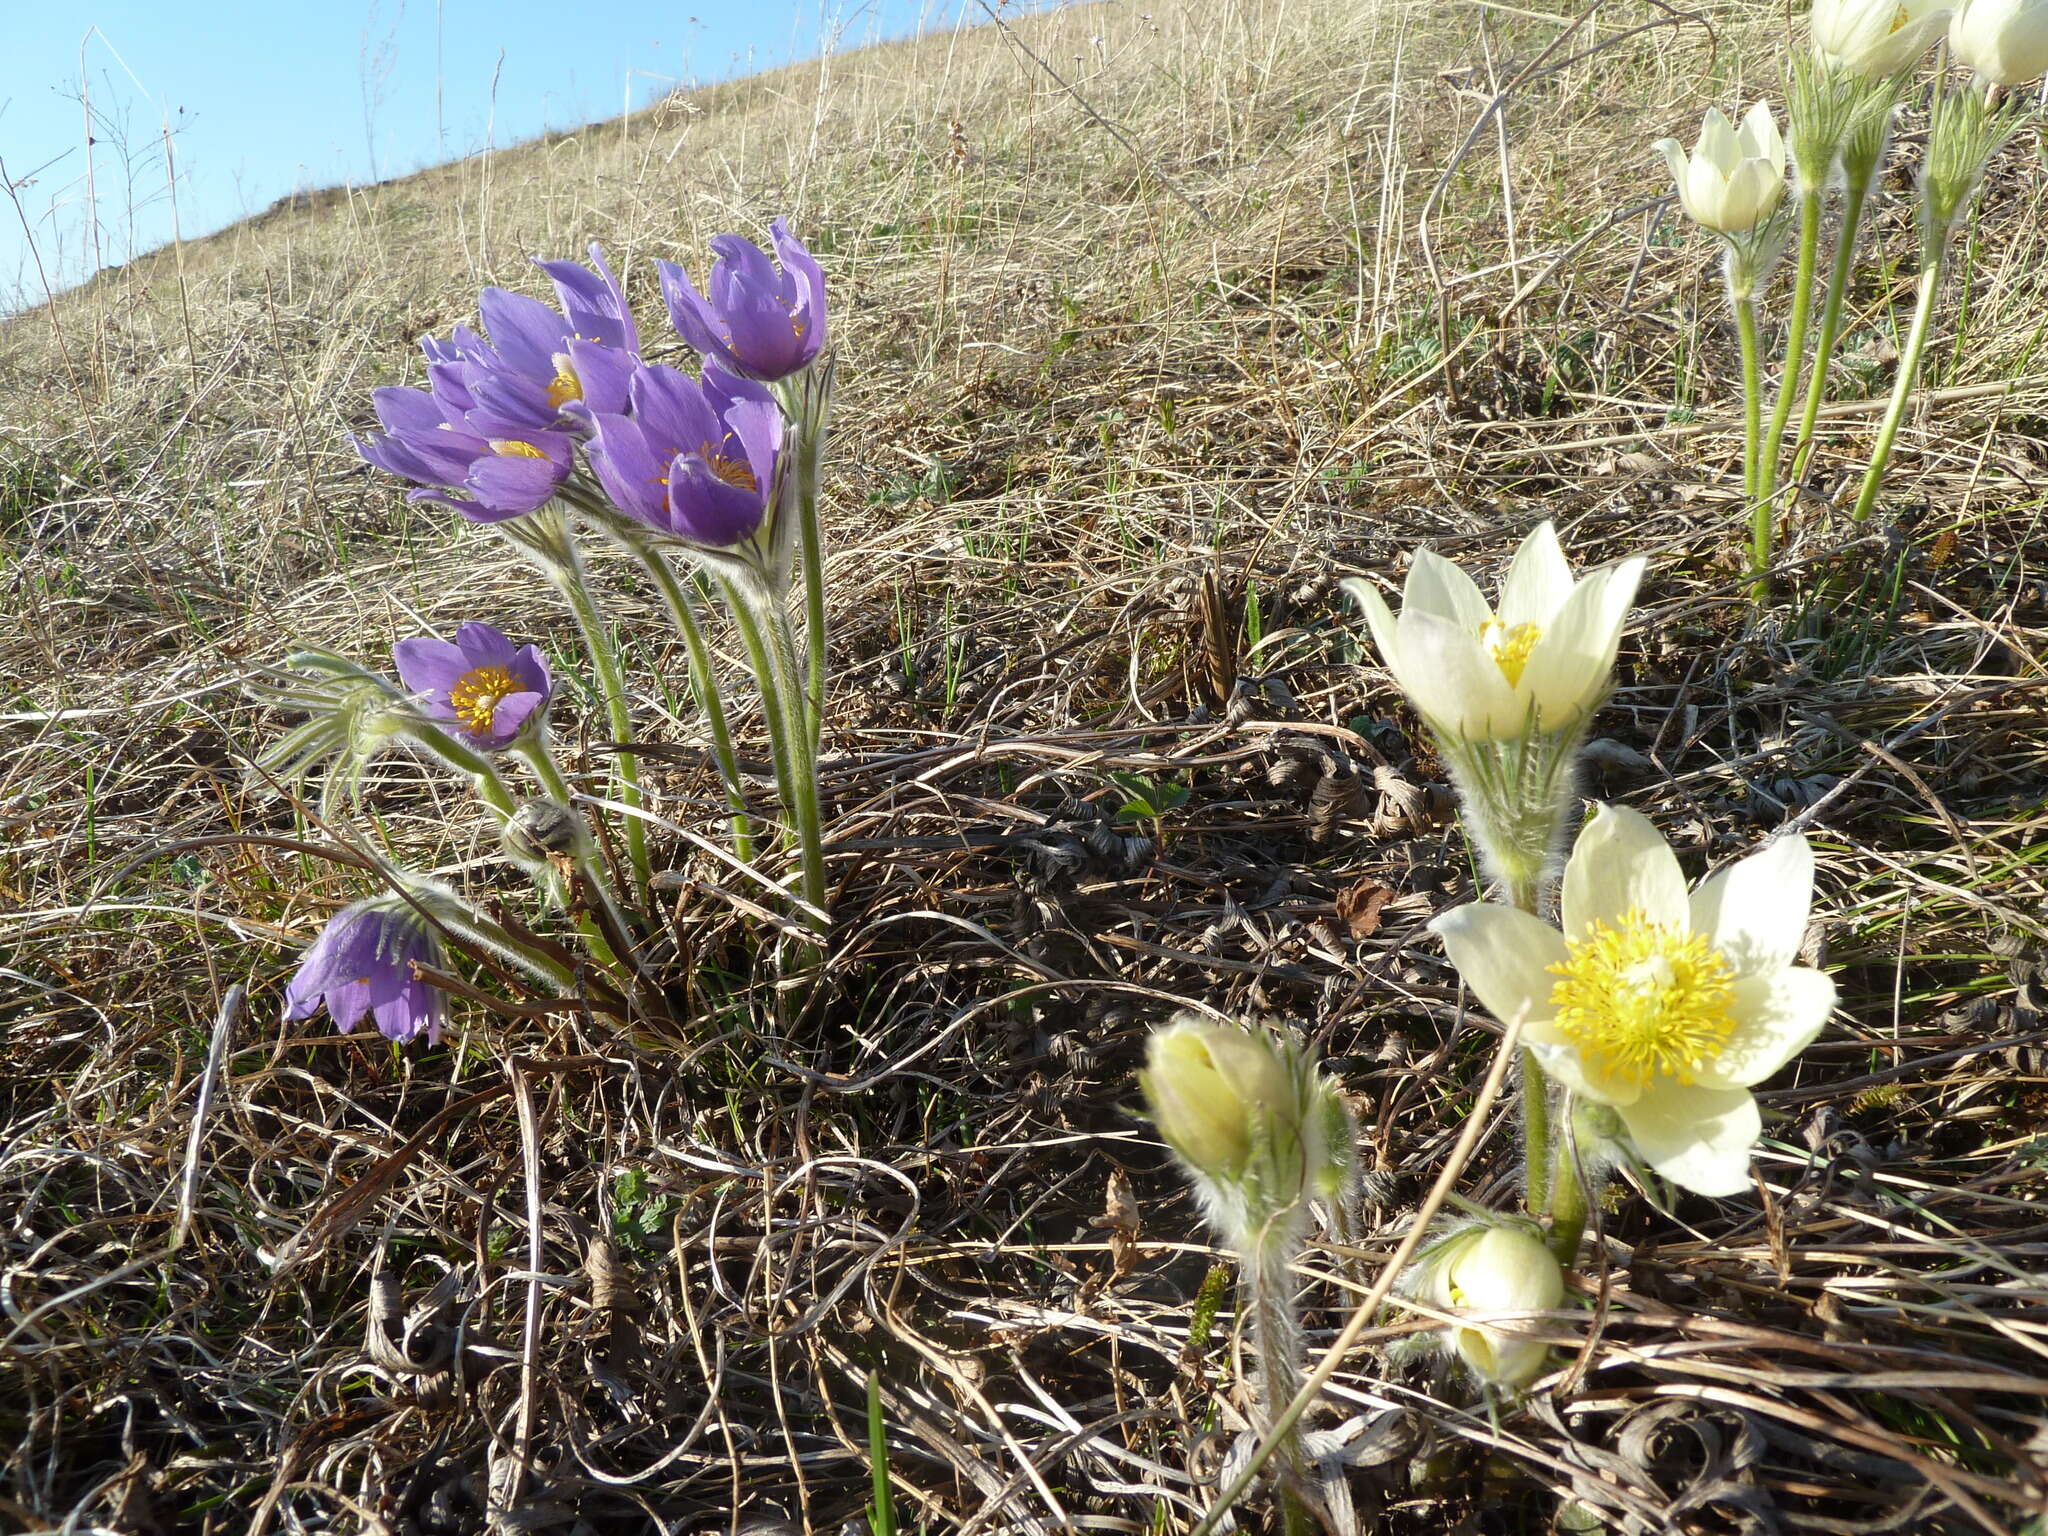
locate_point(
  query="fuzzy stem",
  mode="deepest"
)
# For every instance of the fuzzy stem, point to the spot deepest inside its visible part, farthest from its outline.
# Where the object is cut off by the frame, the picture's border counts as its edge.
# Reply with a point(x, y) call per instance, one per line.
point(1795, 337)
point(1752, 434)
point(1830, 324)
point(1525, 896)
point(703, 684)
point(1567, 1194)
point(611, 680)
point(1902, 386)
point(751, 601)
point(806, 399)
point(1269, 1280)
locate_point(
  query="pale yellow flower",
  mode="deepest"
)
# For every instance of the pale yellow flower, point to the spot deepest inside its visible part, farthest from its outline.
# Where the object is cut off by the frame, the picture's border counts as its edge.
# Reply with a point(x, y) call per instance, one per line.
point(1541, 663)
point(2005, 41)
point(1736, 177)
point(1875, 37)
point(1487, 1275)
point(1664, 1006)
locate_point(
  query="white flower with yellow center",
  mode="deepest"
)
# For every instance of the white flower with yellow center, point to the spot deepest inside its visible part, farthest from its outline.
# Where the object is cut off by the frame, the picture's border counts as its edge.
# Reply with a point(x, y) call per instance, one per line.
point(1665, 1006)
point(1489, 1275)
point(1538, 664)
point(1875, 37)
point(2005, 41)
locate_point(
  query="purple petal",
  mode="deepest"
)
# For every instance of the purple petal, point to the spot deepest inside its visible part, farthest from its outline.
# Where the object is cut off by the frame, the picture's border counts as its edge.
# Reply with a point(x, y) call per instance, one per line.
point(628, 469)
point(408, 412)
point(798, 262)
point(671, 410)
point(428, 665)
point(485, 646)
point(594, 302)
point(508, 483)
point(530, 670)
point(758, 426)
point(525, 331)
point(512, 713)
point(707, 510)
point(694, 318)
point(606, 377)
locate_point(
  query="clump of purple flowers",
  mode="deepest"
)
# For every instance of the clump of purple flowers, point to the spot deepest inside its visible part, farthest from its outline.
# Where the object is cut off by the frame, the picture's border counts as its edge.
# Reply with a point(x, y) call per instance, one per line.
point(365, 963)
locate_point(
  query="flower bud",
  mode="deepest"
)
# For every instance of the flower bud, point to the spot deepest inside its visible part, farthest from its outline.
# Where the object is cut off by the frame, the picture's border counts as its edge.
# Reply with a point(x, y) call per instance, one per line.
point(542, 827)
point(2005, 41)
point(1490, 1270)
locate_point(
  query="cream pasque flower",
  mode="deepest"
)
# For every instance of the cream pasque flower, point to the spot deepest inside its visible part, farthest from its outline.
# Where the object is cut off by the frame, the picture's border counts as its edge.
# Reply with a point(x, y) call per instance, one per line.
point(1736, 177)
point(1483, 1273)
point(1664, 1006)
point(2005, 41)
point(1875, 37)
point(1540, 663)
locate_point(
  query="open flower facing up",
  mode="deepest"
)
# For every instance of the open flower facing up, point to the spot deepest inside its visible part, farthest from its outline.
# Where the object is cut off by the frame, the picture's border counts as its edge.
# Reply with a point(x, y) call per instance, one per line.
point(1666, 1007)
point(1736, 177)
point(695, 461)
point(490, 690)
point(1541, 663)
point(2005, 41)
point(362, 963)
point(759, 322)
point(501, 477)
point(1491, 1273)
point(1875, 37)
point(1258, 1129)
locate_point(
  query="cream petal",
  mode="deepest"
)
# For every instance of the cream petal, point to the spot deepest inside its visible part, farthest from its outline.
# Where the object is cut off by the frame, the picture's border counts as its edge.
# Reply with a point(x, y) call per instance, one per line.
point(1717, 146)
point(1760, 139)
point(1698, 1138)
point(1567, 671)
point(1561, 1060)
point(1754, 912)
point(1753, 193)
point(1621, 864)
point(1454, 682)
point(1674, 157)
point(1378, 618)
point(1777, 1015)
point(1439, 587)
point(1538, 581)
point(1504, 955)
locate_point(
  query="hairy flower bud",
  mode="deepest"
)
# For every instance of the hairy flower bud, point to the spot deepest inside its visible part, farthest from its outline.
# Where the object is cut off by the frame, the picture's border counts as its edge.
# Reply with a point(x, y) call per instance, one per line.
point(1487, 1274)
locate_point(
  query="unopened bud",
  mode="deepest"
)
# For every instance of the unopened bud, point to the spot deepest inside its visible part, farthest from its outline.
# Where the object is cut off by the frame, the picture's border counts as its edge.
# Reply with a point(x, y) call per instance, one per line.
point(540, 828)
point(1488, 1271)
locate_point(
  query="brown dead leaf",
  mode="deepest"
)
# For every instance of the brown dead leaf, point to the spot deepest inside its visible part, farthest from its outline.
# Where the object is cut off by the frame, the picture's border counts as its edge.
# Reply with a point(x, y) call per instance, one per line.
point(1359, 906)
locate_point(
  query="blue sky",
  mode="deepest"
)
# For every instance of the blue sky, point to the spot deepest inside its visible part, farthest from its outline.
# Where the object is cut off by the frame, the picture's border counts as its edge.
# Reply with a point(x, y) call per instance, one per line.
point(269, 97)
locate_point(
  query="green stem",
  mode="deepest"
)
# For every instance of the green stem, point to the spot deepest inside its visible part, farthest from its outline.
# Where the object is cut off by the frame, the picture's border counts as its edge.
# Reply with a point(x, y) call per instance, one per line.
point(805, 401)
point(704, 684)
point(1525, 894)
point(1752, 432)
point(611, 680)
point(1902, 386)
point(1567, 1195)
point(1795, 338)
point(1830, 323)
point(750, 601)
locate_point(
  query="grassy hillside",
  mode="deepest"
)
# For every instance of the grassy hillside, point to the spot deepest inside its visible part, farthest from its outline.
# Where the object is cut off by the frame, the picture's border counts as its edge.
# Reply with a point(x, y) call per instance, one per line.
point(1123, 300)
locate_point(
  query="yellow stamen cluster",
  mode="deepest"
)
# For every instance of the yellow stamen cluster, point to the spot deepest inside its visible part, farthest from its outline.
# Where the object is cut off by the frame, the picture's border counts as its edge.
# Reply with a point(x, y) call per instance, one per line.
point(477, 694)
point(1644, 1000)
point(734, 472)
point(565, 386)
point(512, 448)
point(1509, 645)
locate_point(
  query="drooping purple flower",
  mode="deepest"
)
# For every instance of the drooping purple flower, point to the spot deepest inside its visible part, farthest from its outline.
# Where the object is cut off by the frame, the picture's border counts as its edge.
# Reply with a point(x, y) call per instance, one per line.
point(758, 322)
point(697, 461)
point(504, 476)
point(362, 963)
point(483, 685)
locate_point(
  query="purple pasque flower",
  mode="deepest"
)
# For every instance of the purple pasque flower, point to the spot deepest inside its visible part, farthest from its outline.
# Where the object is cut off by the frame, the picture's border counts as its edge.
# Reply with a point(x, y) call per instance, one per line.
point(696, 461)
point(541, 369)
point(504, 476)
point(759, 322)
point(488, 689)
point(362, 963)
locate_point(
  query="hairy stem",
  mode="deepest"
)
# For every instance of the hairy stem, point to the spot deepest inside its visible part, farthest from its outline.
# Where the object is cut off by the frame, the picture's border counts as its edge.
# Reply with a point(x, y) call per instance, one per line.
point(1752, 433)
point(1795, 338)
point(1270, 1282)
point(1902, 386)
point(1830, 324)
point(611, 679)
point(751, 603)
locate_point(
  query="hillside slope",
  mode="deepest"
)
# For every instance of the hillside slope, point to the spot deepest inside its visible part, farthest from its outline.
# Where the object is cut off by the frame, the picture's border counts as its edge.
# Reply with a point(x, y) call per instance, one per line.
point(1122, 298)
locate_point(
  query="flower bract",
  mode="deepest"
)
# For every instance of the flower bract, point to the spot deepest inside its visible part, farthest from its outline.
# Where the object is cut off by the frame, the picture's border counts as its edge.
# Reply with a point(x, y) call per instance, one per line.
point(759, 320)
point(362, 964)
point(1539, 663)
point(1735, 177)
point(490, 690)
point(1875, 37)
point(1665, 1006)
point(2005, 41)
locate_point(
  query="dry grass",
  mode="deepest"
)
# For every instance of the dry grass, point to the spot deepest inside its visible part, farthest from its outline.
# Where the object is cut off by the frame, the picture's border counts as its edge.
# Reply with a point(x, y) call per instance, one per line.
point(1080, 370)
